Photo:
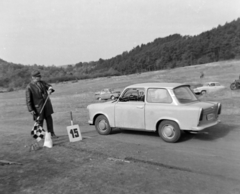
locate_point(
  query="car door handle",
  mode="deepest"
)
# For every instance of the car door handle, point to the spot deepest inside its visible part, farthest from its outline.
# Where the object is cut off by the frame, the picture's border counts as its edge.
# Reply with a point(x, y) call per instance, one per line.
point(139, 106)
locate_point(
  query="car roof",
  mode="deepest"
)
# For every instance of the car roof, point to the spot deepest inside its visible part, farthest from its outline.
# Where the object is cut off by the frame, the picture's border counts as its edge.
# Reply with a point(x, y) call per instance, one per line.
point(157, 84)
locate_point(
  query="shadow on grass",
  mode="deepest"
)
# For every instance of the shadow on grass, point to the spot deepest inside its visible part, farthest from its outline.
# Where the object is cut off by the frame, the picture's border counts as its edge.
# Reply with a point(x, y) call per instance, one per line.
point(210, 134)
point(60, 140)
point(64, 139)
point(184, 136)
point(134, 132)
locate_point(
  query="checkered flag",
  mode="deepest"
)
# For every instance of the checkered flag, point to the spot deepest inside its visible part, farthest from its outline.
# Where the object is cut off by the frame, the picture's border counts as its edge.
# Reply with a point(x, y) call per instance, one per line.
point(37, 132)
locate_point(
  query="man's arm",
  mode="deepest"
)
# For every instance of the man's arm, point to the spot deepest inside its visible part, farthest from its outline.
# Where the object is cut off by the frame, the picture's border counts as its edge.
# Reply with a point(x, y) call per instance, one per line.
point(29, 100)
point(48, 87)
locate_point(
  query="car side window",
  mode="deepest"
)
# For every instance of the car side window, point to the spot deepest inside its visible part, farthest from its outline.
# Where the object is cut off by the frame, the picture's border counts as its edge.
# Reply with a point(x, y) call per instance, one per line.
point(158, 95)
point(133, 94)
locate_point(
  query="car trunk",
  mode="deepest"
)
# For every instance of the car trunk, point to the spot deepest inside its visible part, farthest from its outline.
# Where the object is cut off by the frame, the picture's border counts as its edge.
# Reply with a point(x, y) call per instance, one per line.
point(209, 114)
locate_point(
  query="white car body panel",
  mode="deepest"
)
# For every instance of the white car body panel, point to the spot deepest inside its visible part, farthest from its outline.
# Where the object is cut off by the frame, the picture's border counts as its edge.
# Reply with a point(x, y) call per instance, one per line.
point(129, 115)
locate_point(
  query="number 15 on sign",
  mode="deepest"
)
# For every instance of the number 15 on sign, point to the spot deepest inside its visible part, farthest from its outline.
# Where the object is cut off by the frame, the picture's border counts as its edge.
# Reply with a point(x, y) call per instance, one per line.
point(74, 133)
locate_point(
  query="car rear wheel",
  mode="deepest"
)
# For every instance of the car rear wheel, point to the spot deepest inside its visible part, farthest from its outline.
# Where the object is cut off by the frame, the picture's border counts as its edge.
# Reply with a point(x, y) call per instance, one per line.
point(203, 92)
point(102, 125)
point(112, 97)
point(169, 131)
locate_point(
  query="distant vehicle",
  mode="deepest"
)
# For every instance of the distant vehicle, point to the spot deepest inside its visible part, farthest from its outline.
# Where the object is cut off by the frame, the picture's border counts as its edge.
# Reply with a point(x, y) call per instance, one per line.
point(167, 108)
point(208, 88)
point(195, 85)
point(235, 85)
point(106, 94)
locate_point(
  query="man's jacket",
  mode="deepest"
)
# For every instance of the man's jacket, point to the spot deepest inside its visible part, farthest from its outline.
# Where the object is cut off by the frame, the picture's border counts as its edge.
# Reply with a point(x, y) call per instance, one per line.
point(36, 94)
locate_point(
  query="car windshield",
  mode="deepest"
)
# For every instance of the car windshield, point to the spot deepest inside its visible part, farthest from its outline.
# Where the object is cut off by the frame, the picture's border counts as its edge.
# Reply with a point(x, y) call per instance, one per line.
point(184, 94)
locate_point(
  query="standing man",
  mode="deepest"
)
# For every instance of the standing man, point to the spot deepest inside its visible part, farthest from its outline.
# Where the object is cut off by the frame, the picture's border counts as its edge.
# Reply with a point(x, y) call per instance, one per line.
point(37, 92)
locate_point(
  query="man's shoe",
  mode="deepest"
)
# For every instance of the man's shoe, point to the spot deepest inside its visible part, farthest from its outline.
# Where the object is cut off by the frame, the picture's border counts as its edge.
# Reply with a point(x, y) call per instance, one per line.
point(54, 136)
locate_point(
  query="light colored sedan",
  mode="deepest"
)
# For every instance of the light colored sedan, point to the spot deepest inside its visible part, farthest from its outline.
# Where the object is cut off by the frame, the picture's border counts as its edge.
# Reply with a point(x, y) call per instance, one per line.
point(208, 88)
point(167, 108)
point(106, 94)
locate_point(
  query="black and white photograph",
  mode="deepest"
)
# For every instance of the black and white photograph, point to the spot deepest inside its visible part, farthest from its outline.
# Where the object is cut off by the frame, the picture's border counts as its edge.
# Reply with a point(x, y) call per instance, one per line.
point(119, 97)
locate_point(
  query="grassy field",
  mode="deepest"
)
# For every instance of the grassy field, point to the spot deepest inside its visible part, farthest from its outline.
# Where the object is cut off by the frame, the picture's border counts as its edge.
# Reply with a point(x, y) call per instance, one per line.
point(71, 167)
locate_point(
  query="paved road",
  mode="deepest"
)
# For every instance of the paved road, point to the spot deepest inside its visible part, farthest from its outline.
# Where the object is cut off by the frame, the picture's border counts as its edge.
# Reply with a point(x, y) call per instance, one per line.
point(210, 158)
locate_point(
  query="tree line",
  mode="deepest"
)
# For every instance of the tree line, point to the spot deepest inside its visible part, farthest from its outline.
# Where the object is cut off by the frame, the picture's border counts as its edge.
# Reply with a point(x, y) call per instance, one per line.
point(218, 44)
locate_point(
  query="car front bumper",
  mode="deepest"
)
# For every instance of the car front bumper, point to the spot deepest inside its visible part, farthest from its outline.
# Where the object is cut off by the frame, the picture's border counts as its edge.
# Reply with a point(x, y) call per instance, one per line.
point(90, 122)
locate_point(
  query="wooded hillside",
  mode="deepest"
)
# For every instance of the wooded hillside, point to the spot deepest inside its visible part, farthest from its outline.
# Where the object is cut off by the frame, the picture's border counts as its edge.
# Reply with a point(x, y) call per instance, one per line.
point(220, 43)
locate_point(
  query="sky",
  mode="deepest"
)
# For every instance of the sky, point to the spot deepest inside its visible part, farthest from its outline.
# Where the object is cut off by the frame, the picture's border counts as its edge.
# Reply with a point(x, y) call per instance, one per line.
point(62, 32)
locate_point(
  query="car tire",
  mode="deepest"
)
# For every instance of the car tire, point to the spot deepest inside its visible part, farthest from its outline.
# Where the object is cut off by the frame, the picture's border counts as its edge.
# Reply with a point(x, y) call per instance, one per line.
point(99, 98)
point(233, 86)
point(112, 97)
point(102, 125)
point(203, 92)
point(169, 131)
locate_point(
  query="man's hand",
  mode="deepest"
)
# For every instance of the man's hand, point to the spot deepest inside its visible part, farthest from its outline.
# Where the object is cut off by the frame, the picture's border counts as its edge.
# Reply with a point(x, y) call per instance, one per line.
point(33, 112)
point(50, 90)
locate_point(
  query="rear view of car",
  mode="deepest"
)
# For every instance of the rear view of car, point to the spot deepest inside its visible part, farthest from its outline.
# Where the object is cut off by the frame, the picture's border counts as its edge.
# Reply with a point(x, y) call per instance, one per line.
point(209, 115)
point(208, 111)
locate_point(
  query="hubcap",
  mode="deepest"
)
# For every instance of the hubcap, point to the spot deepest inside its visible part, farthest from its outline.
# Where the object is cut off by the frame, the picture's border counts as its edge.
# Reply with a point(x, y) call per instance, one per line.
point(168, 131)
point(102, 125)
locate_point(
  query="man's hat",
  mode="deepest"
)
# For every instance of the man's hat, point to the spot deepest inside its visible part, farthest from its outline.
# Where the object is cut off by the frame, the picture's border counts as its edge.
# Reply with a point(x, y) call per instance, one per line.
point(36, 73)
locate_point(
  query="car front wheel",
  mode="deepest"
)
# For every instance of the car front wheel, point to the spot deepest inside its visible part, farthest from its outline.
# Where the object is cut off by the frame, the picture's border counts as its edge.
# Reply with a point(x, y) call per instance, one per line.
point(169, 131)
point(102, 125)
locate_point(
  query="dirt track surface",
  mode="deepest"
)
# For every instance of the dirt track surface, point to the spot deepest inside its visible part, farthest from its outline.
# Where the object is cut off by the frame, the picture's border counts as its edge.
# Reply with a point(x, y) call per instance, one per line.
point(126, 162)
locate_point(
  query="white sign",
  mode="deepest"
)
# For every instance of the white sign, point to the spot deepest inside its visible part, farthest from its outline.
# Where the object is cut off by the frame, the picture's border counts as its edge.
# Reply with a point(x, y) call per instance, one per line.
point(74, 133)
